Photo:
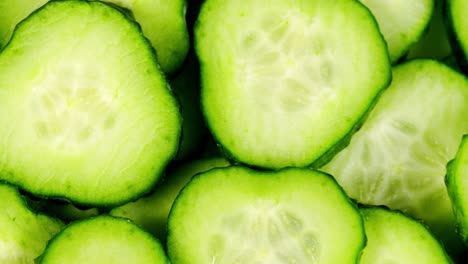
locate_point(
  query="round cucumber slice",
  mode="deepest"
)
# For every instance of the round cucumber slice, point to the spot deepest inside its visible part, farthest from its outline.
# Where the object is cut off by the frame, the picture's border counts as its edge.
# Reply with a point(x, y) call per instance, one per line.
point(151, 212)
point(284, 84)
point(393, 237)
point(457, 185)
point(103, 239)
point(23, 233)
point(457, 18)
point(238, 215)
point(85, 112)
point(398, 158)
point(162, 22)
point(401, 22)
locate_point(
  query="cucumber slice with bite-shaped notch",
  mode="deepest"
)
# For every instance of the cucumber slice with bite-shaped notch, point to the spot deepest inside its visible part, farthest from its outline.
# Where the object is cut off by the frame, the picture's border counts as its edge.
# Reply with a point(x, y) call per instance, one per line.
point(85, 112)
point(239, 215)
point(284, 83)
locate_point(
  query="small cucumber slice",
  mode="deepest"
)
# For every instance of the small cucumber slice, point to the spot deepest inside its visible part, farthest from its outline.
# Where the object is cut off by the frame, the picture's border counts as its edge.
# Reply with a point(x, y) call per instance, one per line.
point(457, 18)
point(398, 158)
point(457, 185)
point(85, 112)
point(23, 233)
point(162, 22)
point(393, 237)
point(284, 84)
point(238, 215)
point(401, 22)
point(151, 212)
point(103, 239)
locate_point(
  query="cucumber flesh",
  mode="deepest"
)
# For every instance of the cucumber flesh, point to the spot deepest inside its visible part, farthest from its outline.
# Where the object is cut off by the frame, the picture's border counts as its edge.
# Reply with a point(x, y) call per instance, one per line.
point(401, 22)
point(23, 233)
point(398, 158)
point(393, 237)
point(238, 215)
point(85, 112)
point(151, 212)
point(457, 185)
point(103, 239)
point(284, 84)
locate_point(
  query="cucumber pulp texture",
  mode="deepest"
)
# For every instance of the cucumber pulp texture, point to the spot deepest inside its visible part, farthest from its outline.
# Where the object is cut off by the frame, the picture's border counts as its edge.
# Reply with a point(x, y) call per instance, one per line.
point(393, 237)
point(253, 217)
point(279, 81)
point(457, 185)
point(103, 239)
point(23, 233)
point(398, 157)
point(85, 111)
point(401, 22)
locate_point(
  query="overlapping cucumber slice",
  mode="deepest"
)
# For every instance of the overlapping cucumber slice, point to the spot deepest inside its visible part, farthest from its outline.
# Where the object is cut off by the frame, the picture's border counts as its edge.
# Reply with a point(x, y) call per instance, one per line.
point(393, 237)
point(162, 21)
point(457, 185)
point(283, 84)
point(401, 22)
point(85, 112)
point(23, 233)
point(238, 215)
point(103, 239)
point(398, 158)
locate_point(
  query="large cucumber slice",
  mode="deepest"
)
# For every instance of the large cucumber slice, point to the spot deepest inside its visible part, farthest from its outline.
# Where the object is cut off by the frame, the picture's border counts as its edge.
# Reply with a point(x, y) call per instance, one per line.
point(103, 239)
point(162, 22)
point(151, 212)
point(284, 83)
point(23, 233)
point(401, 22)
point(393, 237)
point(238, 215)
point(85, 112)
point(457, 185)
point(399, 156)
point(457, 18)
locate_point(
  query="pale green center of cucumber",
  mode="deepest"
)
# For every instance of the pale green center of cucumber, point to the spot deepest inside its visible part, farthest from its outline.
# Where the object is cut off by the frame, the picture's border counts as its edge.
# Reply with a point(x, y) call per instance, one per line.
point(287, 64)
point(71, 107)
point(263, 233)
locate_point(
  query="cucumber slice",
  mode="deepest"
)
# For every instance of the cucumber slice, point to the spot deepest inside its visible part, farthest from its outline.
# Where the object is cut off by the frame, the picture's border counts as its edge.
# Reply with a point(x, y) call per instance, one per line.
point(393, 237)
point(457, 185)
point(103, 239)
point(162, 22)
point(398, 157)
point(401, 22)
point(85, 113)
point(23, 233)
point(238, 215)
point(457, 19)
point(284, 84)
point(151, 212)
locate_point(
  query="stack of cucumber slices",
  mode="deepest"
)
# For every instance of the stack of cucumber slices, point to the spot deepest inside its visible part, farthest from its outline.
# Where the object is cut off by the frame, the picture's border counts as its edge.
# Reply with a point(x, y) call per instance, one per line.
point(233, 131)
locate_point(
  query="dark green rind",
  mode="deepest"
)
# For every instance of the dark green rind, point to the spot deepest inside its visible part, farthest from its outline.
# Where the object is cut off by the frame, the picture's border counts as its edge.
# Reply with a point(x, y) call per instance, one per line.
point(121, 199)
point(460, 52)
point(107, 251)
point(176, 254)
point(456, 193)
